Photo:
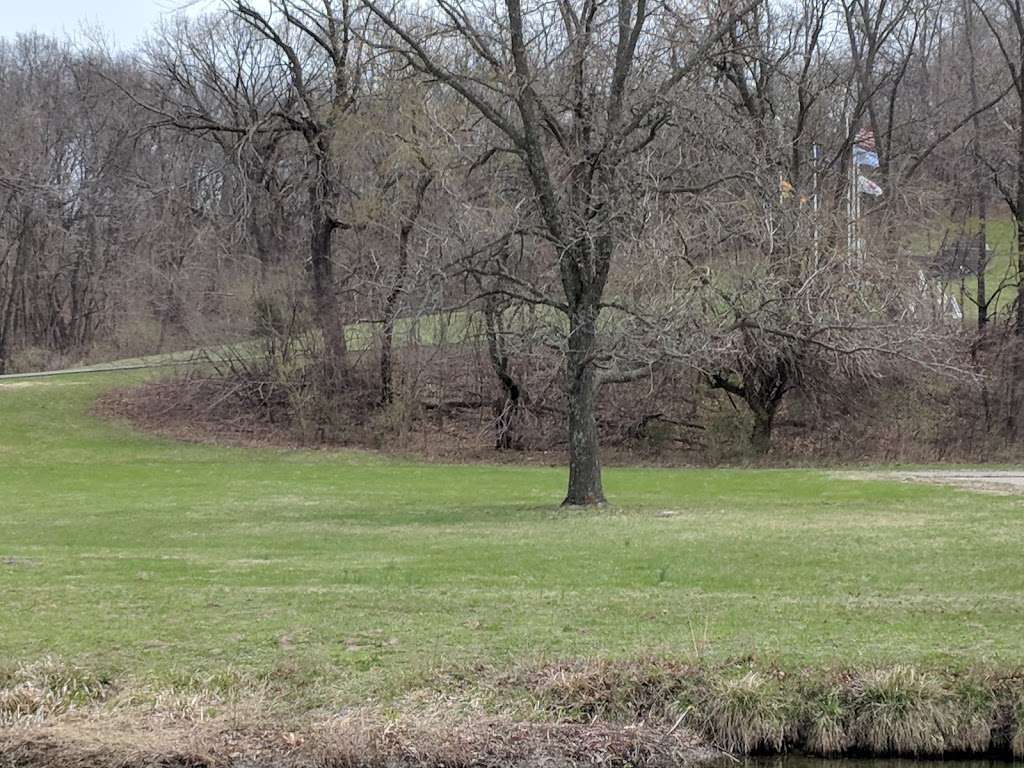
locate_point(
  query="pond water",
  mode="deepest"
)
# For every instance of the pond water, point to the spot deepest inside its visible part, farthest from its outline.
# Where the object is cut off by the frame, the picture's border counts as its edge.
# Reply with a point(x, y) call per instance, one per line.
point(800, 761)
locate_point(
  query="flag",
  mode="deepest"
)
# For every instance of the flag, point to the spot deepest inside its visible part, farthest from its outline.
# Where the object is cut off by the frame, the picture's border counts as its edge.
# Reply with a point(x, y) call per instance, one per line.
point(868, 187)
point(866, 157)
point(865, 139)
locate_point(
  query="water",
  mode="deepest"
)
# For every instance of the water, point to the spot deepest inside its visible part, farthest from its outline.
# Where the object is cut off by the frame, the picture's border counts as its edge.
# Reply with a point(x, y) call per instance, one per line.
point(801, 761)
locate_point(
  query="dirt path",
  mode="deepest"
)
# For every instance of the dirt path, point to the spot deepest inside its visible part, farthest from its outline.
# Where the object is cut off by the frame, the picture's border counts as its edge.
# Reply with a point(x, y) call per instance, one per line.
point(1005, 481)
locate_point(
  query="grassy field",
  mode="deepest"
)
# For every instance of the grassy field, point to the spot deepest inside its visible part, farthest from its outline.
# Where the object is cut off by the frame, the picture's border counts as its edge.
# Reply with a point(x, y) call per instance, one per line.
point(350, 575)
point(1001, 235)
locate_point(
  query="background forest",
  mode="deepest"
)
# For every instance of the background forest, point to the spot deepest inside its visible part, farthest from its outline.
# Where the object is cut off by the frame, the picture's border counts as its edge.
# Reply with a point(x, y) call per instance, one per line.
point(700, 231)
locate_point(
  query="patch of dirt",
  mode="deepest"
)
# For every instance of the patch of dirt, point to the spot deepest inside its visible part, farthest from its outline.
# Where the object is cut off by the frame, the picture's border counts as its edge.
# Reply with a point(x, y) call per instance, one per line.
point(14, 562)
point(1004, 482)
point(35, 383)
point(164, 408)
point(167, 409)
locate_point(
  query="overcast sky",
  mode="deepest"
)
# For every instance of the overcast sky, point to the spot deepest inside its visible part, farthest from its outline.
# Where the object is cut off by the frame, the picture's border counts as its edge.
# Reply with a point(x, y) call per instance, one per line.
point(126, 20)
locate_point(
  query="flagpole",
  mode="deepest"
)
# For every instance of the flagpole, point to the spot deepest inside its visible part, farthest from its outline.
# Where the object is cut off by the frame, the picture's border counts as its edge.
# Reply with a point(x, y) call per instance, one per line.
point(814, 199)
point(849, 203)
point(856, 211)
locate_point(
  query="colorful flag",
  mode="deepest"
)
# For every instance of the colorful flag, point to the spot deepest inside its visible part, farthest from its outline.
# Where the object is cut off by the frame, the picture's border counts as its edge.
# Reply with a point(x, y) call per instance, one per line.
point(866, 157)
point(865, 139)
point(868, 187)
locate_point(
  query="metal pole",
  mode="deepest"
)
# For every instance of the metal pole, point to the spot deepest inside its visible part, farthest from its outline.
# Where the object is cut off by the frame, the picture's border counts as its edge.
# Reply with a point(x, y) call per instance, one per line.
point(814, 199)
point(849, 202)
point(856, 211)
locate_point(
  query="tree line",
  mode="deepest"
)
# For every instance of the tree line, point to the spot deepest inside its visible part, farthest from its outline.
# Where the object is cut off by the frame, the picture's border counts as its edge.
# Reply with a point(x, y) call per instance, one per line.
point(760, 198)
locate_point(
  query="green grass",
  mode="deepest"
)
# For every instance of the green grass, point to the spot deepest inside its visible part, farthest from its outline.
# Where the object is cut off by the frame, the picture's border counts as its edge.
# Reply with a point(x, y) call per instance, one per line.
point(435, 329)
point(158, 561)
point(1001, 235)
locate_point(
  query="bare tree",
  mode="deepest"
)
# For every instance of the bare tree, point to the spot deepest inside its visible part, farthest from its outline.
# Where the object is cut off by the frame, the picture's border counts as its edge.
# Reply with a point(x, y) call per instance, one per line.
point(294, 68)
point(1005, 21)
point(577, 92)
point(65, 161)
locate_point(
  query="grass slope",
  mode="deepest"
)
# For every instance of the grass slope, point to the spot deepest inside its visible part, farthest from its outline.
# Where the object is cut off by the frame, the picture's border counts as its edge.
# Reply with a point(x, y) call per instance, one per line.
point(349, 574)
point(1000, 272)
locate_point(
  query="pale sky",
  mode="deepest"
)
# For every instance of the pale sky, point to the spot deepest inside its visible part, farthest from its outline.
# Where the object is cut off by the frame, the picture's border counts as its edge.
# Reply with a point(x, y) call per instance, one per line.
point(125, 20)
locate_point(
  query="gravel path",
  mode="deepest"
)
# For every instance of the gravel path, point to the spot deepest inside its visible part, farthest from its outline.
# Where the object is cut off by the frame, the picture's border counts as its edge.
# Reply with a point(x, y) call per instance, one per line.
point(1009, 481)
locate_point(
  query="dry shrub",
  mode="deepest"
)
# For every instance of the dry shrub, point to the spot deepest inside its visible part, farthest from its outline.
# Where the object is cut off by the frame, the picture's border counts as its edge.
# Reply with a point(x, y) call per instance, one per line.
point(46, 688)
point(825, 730)
point(975, 703)
point(899, 711)
point(1016, 729)
point(893, 711)
point(172, 704)
point(621, 690)
point(198, 697)
point(747, 714)
point(22, 702)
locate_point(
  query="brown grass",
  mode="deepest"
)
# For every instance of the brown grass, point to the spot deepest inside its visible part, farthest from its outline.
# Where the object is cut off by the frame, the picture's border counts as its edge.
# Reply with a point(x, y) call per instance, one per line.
point(363, 740)
point(587, 690)
point(47, 688)
point(898, 710)
point(648, 712)
point(746, 714)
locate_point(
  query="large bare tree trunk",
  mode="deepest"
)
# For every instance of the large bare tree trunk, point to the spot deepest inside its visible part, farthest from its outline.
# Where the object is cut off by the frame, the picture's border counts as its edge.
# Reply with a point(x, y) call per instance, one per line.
point(764, 422)
point(15, 286)
point(585, 486)
point(324, 293)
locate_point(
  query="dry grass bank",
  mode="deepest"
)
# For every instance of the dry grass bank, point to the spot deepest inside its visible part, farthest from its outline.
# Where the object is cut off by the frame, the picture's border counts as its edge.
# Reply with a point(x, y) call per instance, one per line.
point(652, 712)
point(743, 709)
point(361, 740)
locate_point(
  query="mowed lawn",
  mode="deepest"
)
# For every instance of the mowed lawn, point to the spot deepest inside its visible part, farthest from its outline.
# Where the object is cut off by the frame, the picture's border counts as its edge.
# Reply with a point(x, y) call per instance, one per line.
point(158, 561)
